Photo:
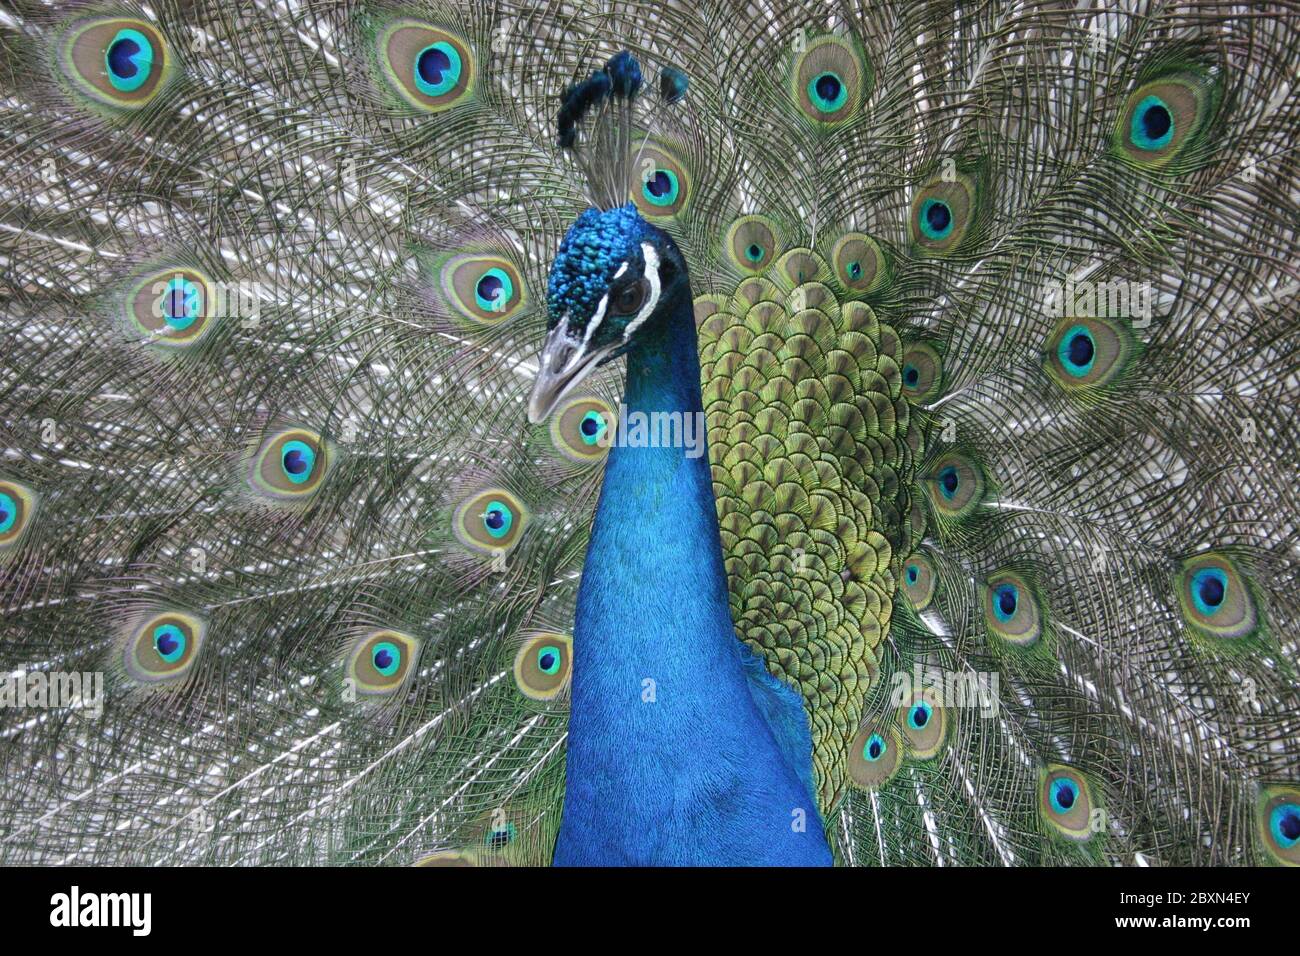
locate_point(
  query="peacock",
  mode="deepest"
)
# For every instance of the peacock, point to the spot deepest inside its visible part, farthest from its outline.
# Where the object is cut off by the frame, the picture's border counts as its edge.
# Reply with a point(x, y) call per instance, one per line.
point(780, 432)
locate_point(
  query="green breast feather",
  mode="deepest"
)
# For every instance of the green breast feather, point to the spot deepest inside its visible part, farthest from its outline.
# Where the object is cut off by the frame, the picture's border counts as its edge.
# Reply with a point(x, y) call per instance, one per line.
point(809, 437)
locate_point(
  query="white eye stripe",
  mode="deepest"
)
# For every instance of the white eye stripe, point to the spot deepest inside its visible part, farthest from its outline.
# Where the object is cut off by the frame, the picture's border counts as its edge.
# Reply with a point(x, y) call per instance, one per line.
point(652, 300)
point(596, 319)
point(621, 270)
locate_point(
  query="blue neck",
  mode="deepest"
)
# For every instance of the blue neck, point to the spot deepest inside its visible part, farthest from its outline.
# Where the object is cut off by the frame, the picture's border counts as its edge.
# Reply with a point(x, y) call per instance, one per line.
point(670, 757)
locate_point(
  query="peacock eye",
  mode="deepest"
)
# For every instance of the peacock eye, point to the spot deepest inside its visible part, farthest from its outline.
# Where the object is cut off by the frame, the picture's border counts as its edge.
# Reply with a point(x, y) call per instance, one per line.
point(117, 62)
point(629, 299)
point(163, 648)
point(16, 504)
point(542, 665)
point(752, 243)
point(428, 67)
point(380, 663)
point(1215, 597)
point(1012, 609)
point(1066, 802)
point(290, 464)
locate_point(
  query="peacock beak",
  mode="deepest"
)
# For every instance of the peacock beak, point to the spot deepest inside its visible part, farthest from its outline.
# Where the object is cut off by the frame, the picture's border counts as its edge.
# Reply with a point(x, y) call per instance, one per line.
point(561, 366)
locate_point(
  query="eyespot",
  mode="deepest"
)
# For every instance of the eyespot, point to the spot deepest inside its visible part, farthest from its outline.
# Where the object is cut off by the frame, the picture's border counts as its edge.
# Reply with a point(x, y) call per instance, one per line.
point(859, 263)
point(1278, 814)
point(922, 373)
point(956, 486)
point(490, 521)
point(1012, 610)
point(484, 288)
point(753, 243)
point(380, 663)
point(919, 581)
point(1162, 118)
point(172, 307)
point(582, 429)
point(664, 186)
point(543, 665)
point(830, 79)
point(874, 756)
point(1215, 598)
point(628, 299)
point(924, 724)
point(118, 62)
point(17, 505)
point(428, 67)
point(1086, 351)
point(1065, 802)
point(290, 464)
point(164, 648)
point(942, 213)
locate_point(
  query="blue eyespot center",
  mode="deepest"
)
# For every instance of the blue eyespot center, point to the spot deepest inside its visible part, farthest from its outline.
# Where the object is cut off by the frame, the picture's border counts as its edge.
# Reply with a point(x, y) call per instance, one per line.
point(936, 219)
point(875, 748)
point(1152, 127)
point(129, 60)
point(1065, 793)
point(297, 459)
point(913, 572)
point(754, 253)
point(1209, 589)
point(8, 512)
point(437, 69)
point(549, 659)
point(502, 837)
point(386, 657)
point(169, 642)
point(592, 427)
point(1006, 598)
point(854, 270)
point(1284, 823)
point(661, 187)
point(911, 375)
point(182, 303)
point(497, 519)
point(948, 482)
point(827, 92)
point(489, 287)
point(919, 715)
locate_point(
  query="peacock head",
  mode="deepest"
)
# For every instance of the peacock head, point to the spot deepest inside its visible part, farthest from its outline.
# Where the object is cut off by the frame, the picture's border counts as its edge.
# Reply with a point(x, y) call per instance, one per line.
point(612, 282)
